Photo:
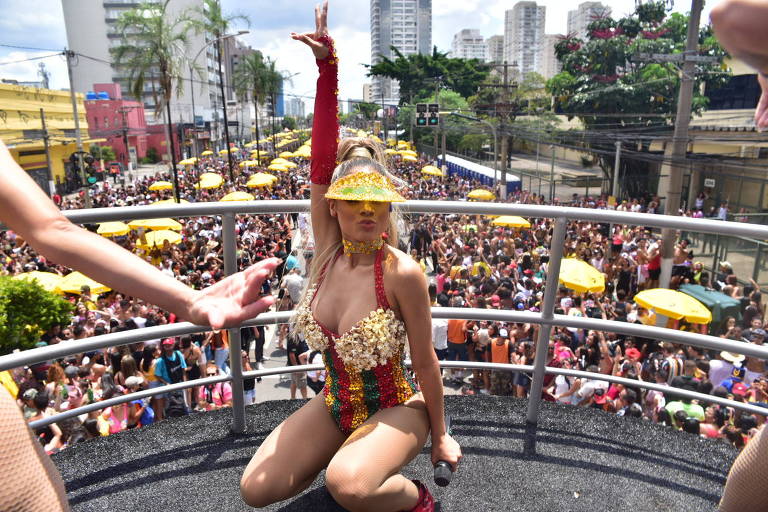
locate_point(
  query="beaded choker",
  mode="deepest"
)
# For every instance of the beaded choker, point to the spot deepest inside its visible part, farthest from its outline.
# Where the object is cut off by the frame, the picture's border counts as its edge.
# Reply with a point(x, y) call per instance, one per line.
point(351, 248)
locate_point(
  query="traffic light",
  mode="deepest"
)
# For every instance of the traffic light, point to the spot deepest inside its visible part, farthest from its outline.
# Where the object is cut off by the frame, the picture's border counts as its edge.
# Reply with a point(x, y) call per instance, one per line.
point(421, 114)
point(434, 115)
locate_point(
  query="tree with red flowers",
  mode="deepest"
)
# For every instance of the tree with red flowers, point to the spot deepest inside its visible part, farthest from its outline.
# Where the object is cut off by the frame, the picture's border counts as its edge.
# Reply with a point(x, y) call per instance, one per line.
point(618, 97)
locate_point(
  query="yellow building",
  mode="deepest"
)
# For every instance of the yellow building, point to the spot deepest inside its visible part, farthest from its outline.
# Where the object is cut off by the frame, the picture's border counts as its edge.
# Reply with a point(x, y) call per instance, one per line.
point(22, 131)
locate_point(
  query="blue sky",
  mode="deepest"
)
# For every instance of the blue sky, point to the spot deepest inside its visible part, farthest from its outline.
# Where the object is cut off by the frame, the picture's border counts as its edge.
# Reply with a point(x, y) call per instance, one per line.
point(271, 23)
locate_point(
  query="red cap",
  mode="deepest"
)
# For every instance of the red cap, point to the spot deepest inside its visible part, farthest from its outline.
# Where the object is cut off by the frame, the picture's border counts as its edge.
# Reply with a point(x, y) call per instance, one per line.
point(740, 389)
point(168, 341)
point(633, 353)
point(495, 300)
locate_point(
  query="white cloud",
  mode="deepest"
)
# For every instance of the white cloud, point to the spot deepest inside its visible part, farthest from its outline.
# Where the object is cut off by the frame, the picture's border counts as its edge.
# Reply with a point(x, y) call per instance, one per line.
point(27, 70)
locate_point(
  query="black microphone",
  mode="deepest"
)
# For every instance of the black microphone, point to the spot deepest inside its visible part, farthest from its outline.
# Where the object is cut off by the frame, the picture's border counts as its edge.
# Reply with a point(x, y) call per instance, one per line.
point(443, 470)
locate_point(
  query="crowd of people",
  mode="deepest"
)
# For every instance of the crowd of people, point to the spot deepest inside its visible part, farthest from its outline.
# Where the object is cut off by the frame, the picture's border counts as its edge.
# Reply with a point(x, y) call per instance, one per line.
point(470, 263)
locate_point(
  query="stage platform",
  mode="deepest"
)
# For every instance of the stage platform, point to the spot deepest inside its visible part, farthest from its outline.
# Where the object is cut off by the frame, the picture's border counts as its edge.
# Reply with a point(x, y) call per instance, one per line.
point(584, 460)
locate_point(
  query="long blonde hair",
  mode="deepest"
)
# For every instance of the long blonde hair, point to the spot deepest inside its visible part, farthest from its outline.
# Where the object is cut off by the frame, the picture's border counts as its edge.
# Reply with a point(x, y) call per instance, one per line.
point(352, 160)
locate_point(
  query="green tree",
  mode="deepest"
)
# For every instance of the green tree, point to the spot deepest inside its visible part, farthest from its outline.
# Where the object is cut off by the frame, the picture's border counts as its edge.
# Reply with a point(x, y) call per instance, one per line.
point(418, 73)
point(367, 110)
point(210, 19)
point(105, 153)
point(26, 311)
point(251, 77)
point(609, 90)
point(288, 123)
point(153, 48)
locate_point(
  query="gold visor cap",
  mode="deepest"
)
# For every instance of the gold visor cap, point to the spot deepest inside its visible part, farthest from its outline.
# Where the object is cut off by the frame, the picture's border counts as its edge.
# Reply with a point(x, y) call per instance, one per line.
point(364, 186)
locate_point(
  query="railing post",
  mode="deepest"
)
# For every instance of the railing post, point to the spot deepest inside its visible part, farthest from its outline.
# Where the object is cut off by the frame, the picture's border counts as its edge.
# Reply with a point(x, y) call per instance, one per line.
point(547, 312)
point(235, 361)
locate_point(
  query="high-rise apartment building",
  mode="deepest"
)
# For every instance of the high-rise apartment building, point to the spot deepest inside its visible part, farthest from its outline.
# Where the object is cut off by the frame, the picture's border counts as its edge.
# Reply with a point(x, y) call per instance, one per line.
point(91, 27)
point(367, 93)
point(583, 15)
point(404, 24)
point(495, 48)
point(549, 65)
point(294, 107)
point(524, 35)
point(469, 44)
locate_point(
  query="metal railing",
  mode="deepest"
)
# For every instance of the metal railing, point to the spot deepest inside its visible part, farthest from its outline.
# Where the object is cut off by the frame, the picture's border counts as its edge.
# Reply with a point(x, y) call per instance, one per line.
point(546, 318)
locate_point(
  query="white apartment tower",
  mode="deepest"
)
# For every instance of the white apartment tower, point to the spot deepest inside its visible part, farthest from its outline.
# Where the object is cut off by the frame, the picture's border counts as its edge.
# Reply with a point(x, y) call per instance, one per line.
point(91, 27)
point(583, 15)
point(469, 44)
point(524, 35)
point(495, 49)
point(404, 24)
point(549, 65)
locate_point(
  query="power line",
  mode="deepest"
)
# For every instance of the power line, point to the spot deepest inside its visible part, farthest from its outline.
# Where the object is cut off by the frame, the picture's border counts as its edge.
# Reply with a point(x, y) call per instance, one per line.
point(28, 48)
point(29, 59)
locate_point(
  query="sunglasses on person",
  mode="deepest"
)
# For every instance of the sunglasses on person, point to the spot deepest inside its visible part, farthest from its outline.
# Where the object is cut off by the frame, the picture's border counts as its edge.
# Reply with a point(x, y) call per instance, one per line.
point(211, 374)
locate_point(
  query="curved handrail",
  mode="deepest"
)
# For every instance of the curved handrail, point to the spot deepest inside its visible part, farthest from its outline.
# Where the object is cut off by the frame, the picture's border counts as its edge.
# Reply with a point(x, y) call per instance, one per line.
point(545, 318)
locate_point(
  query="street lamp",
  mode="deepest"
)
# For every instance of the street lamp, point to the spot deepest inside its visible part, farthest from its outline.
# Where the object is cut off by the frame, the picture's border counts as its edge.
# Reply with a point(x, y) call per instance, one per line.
point(495, 150)
point(221, 85)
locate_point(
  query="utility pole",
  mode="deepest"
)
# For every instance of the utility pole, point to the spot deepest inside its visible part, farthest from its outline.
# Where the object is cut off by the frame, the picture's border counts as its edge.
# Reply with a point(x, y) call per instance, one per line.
point(552, 176)
point(128, 163)
point(226, 123)
point(437, 100)
point(503, 111)
point(616, 167)
point(677, 151)
point(81, 168)
point(46, 139)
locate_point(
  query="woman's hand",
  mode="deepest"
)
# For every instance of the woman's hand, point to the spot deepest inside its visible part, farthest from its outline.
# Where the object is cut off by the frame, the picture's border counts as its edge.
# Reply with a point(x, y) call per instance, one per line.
point(233, 300)
point(311, 39)
point(447, 449)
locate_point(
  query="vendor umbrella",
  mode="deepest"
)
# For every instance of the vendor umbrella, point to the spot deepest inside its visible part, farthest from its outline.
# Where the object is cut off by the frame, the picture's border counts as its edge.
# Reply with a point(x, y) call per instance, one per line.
point(157, 238)
point(113, 228)
point(432, 170)
point(161, 185)
point(74, 282)
point(155, 224)
point(674, 304)
point(261, 179)
point(580, 276)
point(207, 152)
point(278, 168)
point(47, 280)
point(481, 195)
point(238, 196)
point(168, 202)
point(410, 158)
point(511, 221)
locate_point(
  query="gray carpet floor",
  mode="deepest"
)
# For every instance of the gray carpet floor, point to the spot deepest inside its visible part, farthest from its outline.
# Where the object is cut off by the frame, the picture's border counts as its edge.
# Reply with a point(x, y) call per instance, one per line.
point(583, 460)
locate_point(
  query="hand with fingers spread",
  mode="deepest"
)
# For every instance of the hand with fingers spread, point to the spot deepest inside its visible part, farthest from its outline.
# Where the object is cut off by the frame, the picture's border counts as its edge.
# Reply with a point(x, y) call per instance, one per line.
point(313, 39)
point(234, 299)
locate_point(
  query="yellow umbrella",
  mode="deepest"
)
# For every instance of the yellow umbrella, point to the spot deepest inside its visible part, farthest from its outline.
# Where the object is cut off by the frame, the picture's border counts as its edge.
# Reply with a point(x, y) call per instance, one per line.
point(291, 165)
point(432, 170)
point(261, 179)
point(251, 144)
point(390, 151)
point(47, 280)
point(481, 194)
point(511, 221)
point(158, 237)
point(210, 180)
point(73, 283)
point(674, 304)
point(155, 224)
point(406, 152)
point(169, 202)
point(188, 161)
point(286, 154)
point(259, 154)
point(113, 228)
point(410, 158)
point(161, 185)
point(207, 152)
point(248, 162)
point(580, 276)
point(224, 152)
point(279, 161)
point(278, 168)
point(238, 196)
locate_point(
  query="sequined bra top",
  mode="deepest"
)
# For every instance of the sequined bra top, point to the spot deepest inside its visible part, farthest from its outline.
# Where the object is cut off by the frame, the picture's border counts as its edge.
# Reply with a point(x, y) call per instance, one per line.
point(364, 365)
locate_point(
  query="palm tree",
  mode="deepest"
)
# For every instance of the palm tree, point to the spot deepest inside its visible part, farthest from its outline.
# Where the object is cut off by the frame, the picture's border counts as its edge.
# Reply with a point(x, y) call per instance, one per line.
point(251, 76)
point(273, 80)
point(153, 48)
point(210, 19)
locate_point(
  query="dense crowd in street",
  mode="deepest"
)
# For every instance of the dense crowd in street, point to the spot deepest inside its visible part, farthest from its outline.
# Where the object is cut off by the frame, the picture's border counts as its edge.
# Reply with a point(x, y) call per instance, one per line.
point(469, 262)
